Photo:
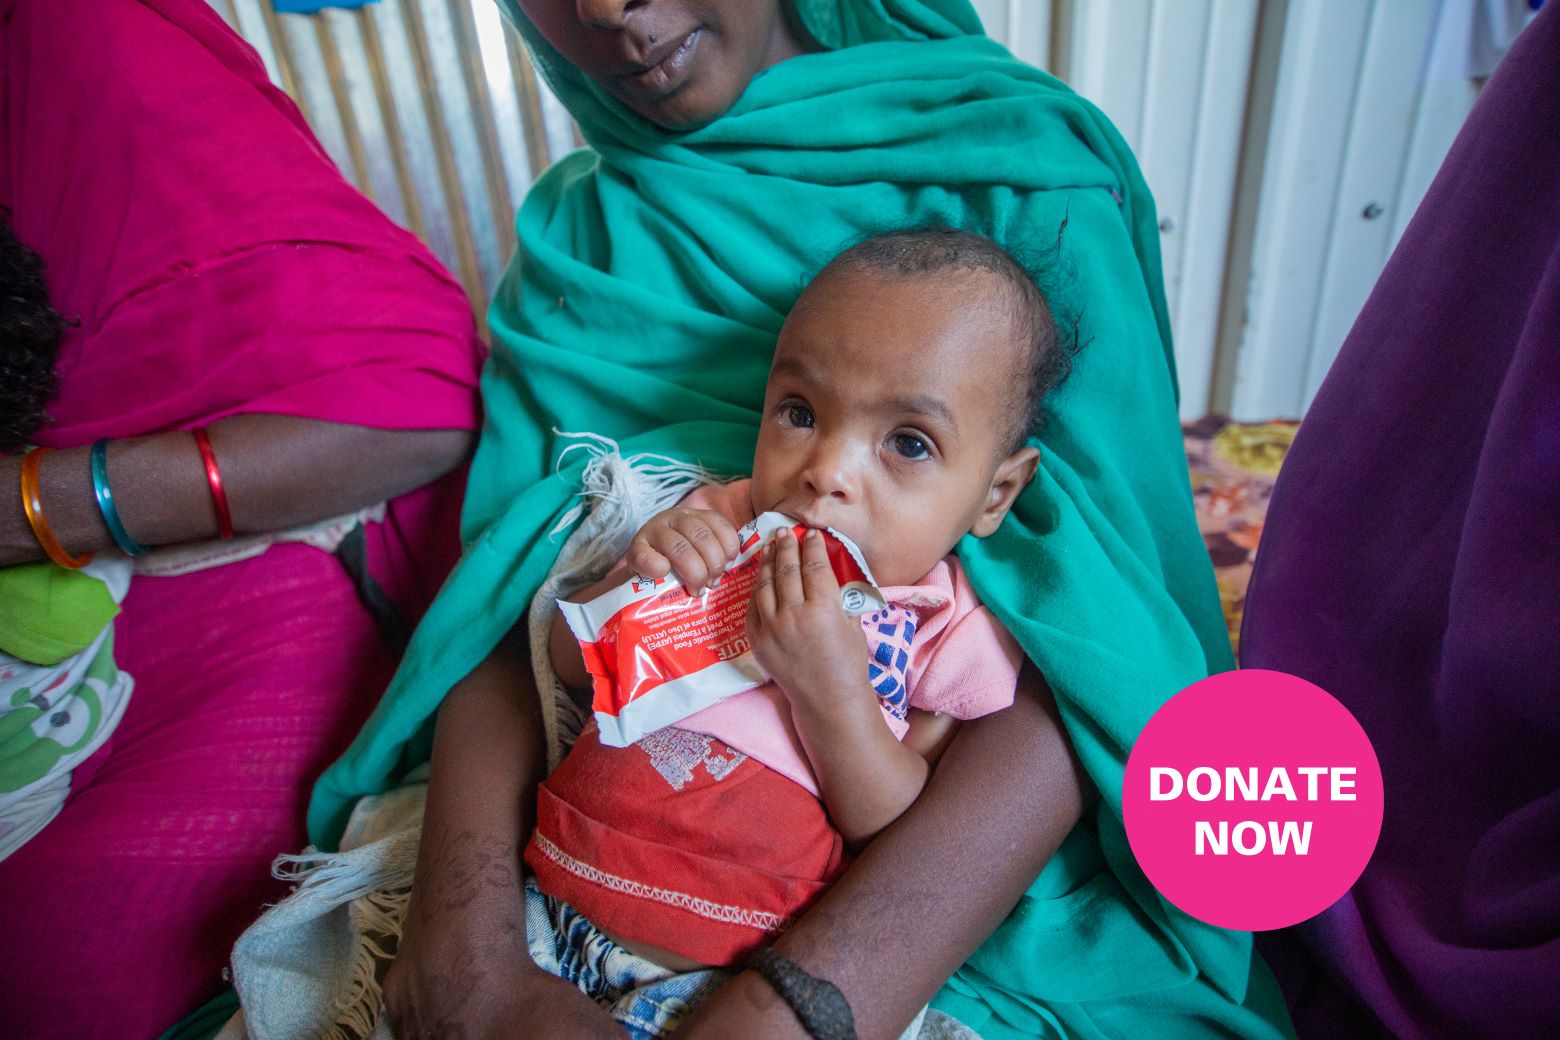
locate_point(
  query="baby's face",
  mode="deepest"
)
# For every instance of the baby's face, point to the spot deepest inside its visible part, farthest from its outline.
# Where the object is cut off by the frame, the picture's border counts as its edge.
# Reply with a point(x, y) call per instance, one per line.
point(887, 414)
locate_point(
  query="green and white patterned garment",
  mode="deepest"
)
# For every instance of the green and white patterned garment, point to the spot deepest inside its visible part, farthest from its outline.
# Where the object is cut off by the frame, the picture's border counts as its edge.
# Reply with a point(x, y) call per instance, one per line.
point(54, 716)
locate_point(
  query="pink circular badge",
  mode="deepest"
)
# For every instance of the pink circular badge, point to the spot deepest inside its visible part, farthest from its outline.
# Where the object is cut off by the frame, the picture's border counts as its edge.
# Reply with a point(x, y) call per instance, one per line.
point(1252, 800)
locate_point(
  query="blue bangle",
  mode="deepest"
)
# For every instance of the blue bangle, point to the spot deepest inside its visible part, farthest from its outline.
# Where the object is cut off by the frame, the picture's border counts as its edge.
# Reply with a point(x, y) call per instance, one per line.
point(105, 501)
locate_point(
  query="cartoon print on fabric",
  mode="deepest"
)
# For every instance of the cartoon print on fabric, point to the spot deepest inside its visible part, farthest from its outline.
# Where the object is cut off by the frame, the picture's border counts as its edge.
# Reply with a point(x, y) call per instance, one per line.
point(676, 753)
point(50, 713)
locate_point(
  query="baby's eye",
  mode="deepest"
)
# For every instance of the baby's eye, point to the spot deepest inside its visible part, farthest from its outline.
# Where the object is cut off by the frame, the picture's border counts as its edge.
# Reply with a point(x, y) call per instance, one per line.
point(909, 446)
point(797, 415)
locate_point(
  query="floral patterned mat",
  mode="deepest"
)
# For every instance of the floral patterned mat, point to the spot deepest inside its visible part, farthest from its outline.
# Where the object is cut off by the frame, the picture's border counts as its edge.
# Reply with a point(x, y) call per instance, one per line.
point(1233, 466)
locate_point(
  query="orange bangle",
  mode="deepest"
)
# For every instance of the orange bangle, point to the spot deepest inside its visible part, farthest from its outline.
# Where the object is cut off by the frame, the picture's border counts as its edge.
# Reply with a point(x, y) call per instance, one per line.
point(32, 504)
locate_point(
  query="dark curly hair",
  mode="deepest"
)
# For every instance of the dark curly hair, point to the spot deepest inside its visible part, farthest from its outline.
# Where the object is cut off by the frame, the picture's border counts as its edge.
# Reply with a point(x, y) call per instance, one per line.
point(927, 250)
point(30, 332)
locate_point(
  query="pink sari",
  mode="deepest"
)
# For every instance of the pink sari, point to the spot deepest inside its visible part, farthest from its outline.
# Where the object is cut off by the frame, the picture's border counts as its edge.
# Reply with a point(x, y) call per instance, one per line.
point(215, 263)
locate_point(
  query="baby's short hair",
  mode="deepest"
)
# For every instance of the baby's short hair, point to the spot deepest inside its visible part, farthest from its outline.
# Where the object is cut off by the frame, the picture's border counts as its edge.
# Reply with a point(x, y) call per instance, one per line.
point(928, 250)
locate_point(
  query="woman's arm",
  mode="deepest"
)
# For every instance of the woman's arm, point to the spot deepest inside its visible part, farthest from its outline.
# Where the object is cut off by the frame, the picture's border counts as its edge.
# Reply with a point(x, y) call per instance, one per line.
point(463, 968)
point(278, 472)
point(933, 886)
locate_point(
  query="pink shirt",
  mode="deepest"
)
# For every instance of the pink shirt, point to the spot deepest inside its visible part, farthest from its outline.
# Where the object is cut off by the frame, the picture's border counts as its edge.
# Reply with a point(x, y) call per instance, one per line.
point(934, 648)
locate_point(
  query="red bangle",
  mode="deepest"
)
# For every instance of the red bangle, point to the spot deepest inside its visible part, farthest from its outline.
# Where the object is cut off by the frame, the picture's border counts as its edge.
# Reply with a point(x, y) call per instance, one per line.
point(214, 478)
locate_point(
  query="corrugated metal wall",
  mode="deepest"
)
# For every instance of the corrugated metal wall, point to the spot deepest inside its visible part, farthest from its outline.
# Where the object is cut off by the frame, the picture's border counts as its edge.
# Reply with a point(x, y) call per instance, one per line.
point(1358, 131)
point(430, 106)
point(1028, 27)
point(1286, 142)
point(1174, 76)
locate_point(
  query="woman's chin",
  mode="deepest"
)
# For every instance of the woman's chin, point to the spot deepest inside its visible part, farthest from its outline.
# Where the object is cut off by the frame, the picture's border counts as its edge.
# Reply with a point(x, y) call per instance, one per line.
point(687, 109)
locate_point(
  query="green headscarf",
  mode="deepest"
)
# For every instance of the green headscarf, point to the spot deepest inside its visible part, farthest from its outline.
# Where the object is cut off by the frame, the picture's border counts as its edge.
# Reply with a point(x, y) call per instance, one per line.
point(653, 273)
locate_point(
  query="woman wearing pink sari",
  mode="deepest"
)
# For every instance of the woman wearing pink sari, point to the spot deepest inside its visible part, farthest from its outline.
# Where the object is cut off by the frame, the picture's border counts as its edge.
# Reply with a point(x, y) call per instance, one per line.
point(217, 273)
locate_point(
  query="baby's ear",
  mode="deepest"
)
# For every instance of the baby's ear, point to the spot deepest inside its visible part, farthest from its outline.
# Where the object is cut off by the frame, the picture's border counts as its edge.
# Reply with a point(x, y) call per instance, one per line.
point(1013, 474)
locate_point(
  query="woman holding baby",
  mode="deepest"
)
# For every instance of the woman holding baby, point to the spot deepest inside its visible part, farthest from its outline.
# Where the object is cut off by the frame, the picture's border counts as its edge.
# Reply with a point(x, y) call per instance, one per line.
point(736, 148)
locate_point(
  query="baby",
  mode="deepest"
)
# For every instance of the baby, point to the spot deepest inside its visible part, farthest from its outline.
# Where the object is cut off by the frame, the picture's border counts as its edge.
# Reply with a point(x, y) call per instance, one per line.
point(905, 385)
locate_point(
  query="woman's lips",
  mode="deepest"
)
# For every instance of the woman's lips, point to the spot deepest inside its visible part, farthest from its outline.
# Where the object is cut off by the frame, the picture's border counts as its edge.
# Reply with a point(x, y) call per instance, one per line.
point(668, 74)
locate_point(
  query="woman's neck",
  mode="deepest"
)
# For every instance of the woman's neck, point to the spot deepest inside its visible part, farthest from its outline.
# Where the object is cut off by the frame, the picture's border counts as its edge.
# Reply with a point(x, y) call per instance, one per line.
point(787, 41)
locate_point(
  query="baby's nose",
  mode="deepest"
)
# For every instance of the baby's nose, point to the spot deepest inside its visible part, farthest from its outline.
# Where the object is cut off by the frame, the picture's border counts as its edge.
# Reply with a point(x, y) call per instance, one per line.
point(830, 475)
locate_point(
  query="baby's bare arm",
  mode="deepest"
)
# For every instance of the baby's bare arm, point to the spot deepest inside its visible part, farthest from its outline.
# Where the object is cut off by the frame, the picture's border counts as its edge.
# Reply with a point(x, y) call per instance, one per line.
point(930, 733)
point(866, 776)
point(563, 648)
point(816, 655)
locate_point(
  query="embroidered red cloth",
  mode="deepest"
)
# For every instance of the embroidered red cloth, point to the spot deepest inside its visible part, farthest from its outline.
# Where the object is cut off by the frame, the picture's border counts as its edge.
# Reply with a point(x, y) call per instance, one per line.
point(680, 864)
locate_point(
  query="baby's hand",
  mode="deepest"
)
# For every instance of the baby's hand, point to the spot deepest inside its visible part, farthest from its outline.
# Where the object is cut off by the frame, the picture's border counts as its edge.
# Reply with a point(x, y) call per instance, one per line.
point(798, 631)
point(696, 543)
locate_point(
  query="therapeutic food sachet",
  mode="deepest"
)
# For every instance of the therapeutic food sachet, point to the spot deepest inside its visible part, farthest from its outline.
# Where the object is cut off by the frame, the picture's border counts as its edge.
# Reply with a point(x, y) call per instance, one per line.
point(657, 654)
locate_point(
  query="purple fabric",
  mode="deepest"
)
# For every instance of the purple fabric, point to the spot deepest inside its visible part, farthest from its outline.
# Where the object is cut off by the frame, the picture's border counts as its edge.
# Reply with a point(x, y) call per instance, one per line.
point(1411, 566)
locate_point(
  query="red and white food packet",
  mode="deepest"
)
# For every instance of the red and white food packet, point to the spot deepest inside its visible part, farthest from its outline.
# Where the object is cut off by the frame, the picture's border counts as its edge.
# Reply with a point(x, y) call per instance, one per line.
point(657, 654)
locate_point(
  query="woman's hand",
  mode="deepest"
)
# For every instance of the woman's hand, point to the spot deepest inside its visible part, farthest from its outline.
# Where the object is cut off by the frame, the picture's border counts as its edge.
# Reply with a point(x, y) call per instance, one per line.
point(507, 1004)
point(463, 969)
point(695, 543)
point(798, 631)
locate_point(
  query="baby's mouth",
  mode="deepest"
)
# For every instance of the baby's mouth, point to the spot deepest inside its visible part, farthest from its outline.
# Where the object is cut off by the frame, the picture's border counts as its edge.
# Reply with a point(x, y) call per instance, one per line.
point(802, 516)
point(809, 519)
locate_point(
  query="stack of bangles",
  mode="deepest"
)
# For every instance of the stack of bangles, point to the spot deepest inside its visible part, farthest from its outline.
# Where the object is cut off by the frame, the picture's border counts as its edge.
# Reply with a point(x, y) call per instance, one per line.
point(32, 502)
